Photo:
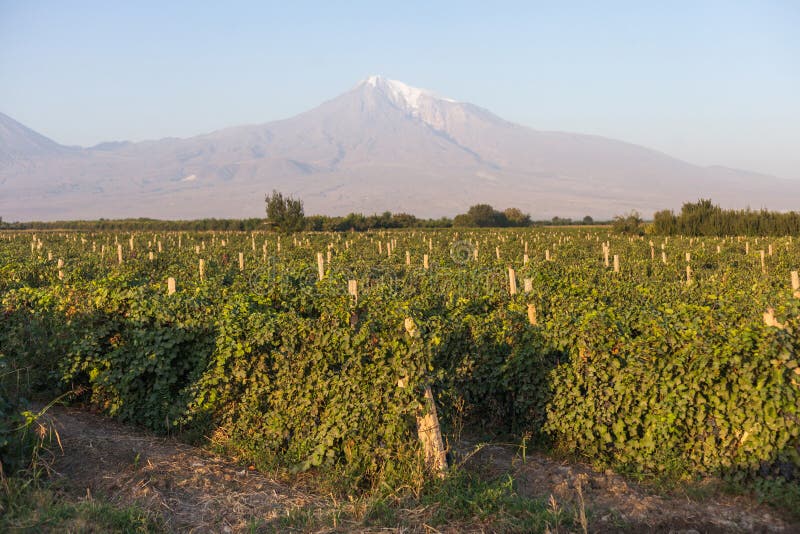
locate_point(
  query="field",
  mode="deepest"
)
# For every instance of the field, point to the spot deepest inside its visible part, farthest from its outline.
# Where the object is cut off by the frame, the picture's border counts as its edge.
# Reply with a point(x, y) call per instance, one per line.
point(324, 355)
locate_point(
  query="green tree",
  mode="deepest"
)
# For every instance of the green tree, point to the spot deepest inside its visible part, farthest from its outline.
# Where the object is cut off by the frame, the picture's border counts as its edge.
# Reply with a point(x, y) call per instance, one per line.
point(285, 214)
point(481, 215)
point(515, 217)
point(665, 223)
point(588, 220)
point(629, 224)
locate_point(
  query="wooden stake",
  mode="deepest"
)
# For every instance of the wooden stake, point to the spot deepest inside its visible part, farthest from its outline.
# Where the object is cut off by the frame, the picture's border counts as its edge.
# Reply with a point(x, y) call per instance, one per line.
point(428, 430)
point(796, 284)
point(119, 254)
point(320, 265)
point(512, 282)
point(202, 269)
point(352, 289)
point(616, 263)
point(763, 262)
point(170, 286)
point(528, 285)
point(425, 261)
point(532, 314)
point(688, 275)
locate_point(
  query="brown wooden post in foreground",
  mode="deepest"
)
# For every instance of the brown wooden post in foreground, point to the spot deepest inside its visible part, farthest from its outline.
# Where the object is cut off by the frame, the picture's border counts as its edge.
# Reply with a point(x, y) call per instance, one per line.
point(428, 430)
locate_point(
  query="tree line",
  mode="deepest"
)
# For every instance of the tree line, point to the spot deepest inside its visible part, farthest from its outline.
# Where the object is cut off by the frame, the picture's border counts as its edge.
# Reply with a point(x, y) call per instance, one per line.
point(704, 218)
point(287, 214)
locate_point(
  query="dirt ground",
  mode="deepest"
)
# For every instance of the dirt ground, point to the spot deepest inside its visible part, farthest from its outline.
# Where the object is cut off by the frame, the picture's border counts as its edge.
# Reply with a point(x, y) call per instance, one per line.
point(193, 490)
point(615, 504)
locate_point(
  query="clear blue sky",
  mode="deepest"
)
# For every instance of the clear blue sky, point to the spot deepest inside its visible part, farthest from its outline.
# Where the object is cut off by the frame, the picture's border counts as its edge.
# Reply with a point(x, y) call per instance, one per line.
point(709, 82)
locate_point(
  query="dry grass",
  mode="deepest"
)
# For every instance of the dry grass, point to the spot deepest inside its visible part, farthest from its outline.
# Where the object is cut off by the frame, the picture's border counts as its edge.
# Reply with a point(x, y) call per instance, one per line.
point(192, 490)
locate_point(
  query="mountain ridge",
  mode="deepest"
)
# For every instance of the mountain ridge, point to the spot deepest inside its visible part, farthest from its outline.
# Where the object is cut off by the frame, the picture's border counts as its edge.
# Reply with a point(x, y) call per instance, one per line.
point(383, 145)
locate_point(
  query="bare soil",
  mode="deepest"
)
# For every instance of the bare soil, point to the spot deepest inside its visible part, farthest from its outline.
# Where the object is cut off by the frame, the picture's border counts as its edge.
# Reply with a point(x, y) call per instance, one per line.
point(616, 504)
point(192, 490)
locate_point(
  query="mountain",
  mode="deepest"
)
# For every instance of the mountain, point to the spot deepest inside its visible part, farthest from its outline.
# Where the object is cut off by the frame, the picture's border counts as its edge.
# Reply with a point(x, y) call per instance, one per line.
point(381, 146)
point(20, 144)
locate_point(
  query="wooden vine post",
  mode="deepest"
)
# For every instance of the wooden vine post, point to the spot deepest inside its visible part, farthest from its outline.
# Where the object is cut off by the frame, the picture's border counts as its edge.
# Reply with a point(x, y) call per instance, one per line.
point(428, 430)
point(352, 289)
point(528, 285)
point(532, 315)
point(170, 286)
point(796, 284)
point(202, 268)
point(320, 266)
point(241, 261)
point(119, 254)
point(512, 282)
point(616, 263)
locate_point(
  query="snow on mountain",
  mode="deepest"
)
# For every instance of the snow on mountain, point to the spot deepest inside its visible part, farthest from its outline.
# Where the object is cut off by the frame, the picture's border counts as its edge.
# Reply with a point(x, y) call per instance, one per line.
point(404, 96)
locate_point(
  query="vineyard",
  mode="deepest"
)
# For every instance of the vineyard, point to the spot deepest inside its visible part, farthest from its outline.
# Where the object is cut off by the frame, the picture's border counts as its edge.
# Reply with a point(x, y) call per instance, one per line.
point(326, 352)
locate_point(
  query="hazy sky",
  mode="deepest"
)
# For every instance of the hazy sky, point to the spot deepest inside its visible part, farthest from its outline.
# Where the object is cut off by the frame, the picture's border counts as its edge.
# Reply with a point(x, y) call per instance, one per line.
point(709, 82)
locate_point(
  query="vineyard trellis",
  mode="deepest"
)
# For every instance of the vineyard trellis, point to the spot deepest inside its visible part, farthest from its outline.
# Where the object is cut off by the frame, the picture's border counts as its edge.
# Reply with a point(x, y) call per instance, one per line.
point(294, 347)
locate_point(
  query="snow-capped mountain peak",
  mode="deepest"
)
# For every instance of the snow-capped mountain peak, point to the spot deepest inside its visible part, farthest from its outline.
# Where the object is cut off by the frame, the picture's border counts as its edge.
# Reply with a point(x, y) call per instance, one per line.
point(403, 95)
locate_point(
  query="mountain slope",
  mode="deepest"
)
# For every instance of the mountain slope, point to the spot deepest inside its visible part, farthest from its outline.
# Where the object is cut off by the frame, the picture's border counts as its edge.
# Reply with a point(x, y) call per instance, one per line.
point(381, 146)
point(19, 143)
